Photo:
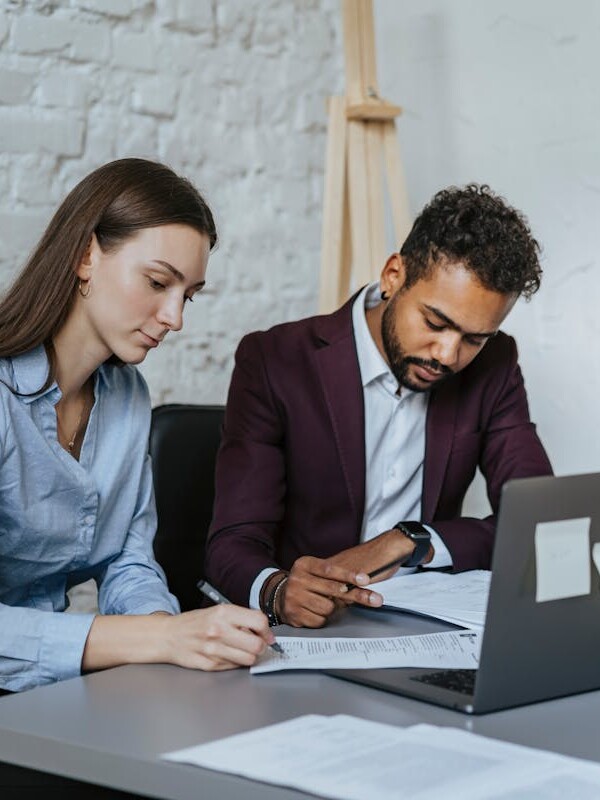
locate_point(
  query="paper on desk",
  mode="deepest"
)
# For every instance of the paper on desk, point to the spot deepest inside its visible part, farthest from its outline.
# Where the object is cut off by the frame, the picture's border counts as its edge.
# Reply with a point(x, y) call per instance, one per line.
point(450, 650)
point(352, 759)
point(460, 599)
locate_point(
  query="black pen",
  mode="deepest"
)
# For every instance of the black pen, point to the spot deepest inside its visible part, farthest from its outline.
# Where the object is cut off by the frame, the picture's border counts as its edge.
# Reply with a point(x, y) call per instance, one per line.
point(395, 563)
point(220, 600)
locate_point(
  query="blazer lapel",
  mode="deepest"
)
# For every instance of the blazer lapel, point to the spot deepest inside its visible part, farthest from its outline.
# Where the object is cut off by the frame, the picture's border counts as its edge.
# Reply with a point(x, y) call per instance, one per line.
point(337, 365)
point(439, 433)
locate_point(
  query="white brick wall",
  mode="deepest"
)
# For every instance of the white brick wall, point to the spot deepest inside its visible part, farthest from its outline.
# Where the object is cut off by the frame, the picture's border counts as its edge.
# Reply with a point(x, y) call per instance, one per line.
point(229, 92)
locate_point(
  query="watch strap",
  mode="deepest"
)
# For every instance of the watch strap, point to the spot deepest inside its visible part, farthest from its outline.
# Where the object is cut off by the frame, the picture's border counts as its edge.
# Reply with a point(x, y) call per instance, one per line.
point(421, 537)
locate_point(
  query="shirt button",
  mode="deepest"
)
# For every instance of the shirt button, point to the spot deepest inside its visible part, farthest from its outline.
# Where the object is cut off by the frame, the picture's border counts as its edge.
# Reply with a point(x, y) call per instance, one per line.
point(392, 473)
point(89, 520)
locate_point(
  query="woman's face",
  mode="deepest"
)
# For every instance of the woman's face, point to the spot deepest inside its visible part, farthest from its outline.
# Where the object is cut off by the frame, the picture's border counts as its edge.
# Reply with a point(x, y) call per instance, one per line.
point(137, 292)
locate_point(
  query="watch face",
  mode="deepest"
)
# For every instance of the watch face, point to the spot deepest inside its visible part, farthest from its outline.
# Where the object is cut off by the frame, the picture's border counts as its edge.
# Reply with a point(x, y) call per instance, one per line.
point(415, 535)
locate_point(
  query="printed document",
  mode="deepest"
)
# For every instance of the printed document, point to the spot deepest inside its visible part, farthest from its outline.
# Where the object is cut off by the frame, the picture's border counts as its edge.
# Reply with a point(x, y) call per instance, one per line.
point(352, 759)
point(460, 599)
point(449, 650)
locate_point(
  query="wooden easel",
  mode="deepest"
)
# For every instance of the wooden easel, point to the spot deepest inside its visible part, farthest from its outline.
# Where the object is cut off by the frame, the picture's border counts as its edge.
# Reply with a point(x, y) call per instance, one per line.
point(362, 149)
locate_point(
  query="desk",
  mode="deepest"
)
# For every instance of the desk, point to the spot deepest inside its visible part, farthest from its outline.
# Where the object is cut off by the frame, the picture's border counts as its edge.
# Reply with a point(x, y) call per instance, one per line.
point(108, 728)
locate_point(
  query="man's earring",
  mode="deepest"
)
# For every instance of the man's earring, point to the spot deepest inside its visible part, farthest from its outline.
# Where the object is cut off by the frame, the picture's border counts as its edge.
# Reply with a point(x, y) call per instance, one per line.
point(384, 295)
point(84, 287)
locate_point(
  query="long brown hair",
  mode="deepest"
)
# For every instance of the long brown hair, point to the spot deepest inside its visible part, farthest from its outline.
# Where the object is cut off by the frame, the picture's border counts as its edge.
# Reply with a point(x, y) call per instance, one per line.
point(113, 202)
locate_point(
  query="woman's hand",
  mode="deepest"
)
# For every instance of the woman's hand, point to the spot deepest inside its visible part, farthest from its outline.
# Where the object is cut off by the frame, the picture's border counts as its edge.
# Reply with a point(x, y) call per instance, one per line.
point(216, 638)
point(222, 637)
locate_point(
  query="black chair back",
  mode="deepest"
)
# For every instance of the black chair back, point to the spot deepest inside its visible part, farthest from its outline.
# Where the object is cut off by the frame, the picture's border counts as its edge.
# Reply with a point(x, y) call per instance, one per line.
point(184, 440)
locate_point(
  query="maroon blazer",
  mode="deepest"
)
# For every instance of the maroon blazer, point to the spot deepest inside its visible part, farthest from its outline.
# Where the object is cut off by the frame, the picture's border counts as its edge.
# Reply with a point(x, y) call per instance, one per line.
point(290, 476)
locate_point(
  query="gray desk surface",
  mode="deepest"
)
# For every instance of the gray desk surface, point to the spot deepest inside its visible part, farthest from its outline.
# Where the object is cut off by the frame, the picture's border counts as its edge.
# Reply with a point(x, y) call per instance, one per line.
point(109, 728)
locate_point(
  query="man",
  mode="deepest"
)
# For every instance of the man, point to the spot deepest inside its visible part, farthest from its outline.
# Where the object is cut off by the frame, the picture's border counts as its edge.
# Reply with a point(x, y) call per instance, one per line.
point(351, 439)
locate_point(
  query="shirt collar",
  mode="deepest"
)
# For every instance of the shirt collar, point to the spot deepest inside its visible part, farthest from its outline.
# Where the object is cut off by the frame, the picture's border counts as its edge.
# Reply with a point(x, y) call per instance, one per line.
point(30, 372)
point(370, 361)
point(373, 367)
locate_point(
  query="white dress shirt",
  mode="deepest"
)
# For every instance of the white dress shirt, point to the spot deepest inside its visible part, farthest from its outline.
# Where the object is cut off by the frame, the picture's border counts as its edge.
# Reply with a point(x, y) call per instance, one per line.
point(394, 439)
point(394, 445)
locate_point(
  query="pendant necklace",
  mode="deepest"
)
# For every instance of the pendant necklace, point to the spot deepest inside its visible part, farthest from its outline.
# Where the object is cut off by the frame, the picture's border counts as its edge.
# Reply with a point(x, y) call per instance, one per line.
point(71, 441)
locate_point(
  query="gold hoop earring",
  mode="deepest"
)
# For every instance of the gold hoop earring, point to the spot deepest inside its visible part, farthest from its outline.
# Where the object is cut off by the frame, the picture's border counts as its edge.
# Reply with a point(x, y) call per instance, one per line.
point(80, 286)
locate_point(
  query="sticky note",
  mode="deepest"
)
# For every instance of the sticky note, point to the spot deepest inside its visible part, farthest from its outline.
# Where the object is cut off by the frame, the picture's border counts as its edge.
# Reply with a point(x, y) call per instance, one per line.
point(562, 559)
point(596, 555)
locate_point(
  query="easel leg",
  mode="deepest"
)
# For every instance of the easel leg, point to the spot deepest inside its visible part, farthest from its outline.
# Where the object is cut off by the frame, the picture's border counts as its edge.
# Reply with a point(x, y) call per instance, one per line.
point(335, 243)
point(362, 150)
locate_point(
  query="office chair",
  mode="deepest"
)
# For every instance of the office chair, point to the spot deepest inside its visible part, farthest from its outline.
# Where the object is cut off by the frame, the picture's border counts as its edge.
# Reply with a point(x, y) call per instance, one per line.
point(184, 440)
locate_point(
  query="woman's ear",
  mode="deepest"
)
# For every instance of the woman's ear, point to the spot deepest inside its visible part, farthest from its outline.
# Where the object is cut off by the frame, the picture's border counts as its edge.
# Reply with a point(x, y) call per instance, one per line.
point(85, 267)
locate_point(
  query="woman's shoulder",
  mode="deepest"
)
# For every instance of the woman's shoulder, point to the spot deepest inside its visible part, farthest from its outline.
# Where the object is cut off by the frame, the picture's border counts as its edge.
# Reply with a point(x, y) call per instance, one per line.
point(7, 381)
point(6, 395)
point(124, 401)
point(6, 372)
point(123, 376)
point(125, 385)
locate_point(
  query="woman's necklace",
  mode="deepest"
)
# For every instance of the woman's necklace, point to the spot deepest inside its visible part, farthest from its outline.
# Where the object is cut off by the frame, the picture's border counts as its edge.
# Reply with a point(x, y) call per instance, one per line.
point(71, 442)
point(73, 439)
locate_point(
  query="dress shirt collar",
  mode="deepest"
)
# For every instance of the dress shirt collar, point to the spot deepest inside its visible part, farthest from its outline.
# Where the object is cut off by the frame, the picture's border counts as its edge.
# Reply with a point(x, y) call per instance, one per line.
point(370, 361)
point(372, 365)
point(30, 372)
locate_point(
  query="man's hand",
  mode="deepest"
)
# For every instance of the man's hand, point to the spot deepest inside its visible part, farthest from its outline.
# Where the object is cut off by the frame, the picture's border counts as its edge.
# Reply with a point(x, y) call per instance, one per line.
point(316, 587)
point(378, 552)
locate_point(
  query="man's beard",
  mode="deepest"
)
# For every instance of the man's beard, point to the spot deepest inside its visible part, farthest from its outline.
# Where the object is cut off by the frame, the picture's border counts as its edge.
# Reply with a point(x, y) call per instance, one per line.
point(399, 362)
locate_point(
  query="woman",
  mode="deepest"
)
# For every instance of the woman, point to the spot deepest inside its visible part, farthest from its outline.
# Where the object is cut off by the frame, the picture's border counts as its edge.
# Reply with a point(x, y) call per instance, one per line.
point(107, 282)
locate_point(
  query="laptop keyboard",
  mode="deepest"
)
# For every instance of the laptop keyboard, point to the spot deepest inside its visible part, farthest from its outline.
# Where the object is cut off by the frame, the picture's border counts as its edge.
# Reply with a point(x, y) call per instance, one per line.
point(458, 680)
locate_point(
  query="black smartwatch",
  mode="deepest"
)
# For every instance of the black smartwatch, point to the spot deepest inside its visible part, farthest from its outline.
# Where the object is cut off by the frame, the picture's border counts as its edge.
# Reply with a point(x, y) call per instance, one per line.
point(418, 534)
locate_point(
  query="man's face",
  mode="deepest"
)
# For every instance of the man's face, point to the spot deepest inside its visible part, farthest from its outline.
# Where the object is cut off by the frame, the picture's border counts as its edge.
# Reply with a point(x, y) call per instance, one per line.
point(438, 326)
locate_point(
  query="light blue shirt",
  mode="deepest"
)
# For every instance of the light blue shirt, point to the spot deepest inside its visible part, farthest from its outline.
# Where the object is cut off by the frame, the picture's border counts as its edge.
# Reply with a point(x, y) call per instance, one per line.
point(64, 521)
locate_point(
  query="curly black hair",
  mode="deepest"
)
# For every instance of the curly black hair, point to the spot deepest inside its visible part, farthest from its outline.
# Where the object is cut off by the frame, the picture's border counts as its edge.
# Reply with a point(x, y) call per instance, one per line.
point(476, 227)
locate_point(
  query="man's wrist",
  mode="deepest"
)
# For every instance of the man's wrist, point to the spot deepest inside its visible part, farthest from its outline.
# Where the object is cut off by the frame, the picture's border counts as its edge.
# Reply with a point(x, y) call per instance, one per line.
point(420, 537)
point(269, 596)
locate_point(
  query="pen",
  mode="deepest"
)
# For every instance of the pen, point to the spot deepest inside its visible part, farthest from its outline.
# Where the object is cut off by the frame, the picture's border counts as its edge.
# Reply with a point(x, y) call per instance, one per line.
point(220, 600)
point(395, 563)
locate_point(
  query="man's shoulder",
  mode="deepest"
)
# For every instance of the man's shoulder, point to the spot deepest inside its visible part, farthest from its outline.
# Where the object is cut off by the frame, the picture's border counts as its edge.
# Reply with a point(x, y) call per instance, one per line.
point(302, 334)
point(500, 351)
point(493, 365)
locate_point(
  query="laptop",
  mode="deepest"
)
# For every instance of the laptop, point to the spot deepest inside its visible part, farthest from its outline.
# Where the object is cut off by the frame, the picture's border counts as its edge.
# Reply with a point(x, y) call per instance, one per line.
point(537, 644)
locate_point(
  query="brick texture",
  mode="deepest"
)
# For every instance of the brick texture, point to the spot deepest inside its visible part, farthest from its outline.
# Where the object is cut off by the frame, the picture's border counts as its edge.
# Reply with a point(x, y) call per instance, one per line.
point(229, 92)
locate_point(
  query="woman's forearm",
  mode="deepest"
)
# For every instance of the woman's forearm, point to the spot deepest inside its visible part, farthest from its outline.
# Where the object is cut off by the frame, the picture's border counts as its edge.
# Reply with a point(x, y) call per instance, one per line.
point(117, 640)
point(216, 638)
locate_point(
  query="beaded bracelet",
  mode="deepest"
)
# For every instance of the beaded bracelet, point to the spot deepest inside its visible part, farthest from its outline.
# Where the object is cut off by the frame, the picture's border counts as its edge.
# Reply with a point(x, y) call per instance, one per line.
point(270, 604)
